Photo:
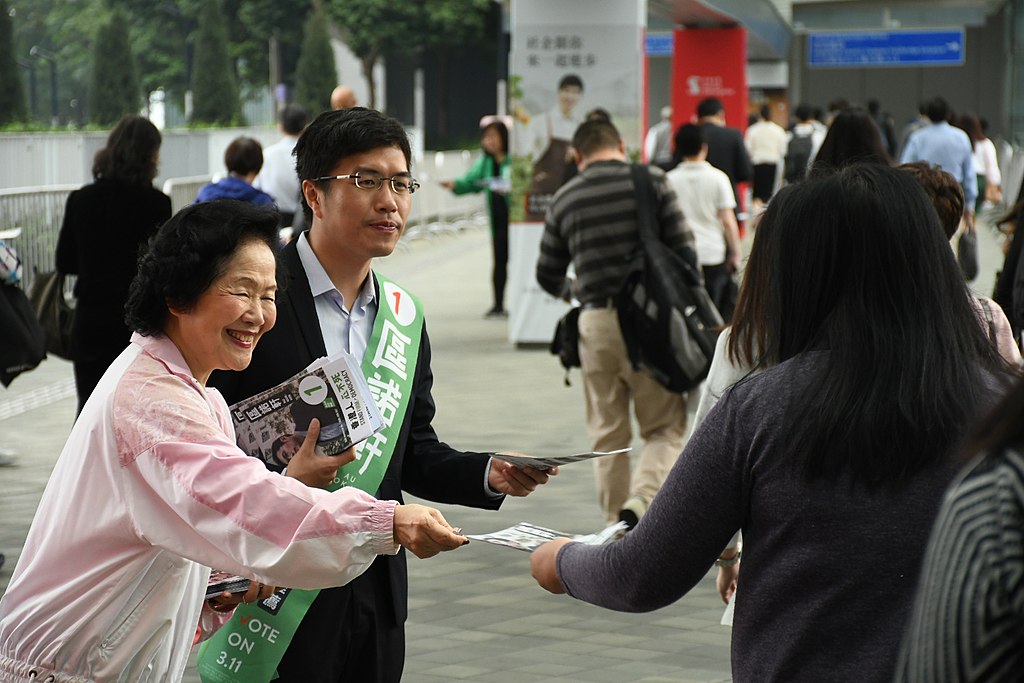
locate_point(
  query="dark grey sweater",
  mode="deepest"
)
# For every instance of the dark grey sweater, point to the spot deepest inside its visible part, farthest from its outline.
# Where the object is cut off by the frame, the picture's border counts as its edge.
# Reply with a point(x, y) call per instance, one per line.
point(828, 572)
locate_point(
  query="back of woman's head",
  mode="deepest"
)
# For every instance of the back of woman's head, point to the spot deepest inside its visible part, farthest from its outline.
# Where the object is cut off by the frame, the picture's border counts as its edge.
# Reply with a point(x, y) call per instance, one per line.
point(131, 152)
point(243, 156)
point(853, 137)
point(970, 124)
point(865, 272)
point(943, 191)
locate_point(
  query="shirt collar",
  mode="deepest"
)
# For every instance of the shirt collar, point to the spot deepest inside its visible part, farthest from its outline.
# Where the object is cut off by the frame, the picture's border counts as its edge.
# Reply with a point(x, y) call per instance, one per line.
point(320, 283)
point(164, 350)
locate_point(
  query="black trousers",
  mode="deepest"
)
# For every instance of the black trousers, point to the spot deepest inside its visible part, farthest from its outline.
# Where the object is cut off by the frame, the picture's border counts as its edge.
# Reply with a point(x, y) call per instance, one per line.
point(721, 288)
point(349, 634)
point(499, 244)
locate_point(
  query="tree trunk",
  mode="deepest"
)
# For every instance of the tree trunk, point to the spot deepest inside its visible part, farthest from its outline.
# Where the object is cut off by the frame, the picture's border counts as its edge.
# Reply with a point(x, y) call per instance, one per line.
point(369, 62)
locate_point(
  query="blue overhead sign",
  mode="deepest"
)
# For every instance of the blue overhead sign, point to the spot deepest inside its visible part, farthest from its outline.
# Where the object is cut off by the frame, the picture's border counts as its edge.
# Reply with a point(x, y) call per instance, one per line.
point(886, 48)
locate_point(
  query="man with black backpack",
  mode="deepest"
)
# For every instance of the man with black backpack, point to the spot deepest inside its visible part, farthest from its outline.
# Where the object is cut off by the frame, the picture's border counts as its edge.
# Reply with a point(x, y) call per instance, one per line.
point(592, 223)
point(804, 141)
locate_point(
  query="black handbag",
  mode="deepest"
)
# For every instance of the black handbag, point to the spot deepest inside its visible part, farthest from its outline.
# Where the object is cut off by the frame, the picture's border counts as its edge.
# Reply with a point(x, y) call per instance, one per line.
point(967, 253)
point(22, 340)
point(566, 342)
point(54, 312)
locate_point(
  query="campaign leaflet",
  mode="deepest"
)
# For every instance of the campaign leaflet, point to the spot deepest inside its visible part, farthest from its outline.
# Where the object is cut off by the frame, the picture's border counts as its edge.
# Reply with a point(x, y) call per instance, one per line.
point(529, 537)
point(272, 425)
point(547, 462)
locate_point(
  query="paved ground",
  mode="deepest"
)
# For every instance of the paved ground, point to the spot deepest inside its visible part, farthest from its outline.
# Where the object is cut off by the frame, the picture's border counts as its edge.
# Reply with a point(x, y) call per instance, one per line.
point(476, 614)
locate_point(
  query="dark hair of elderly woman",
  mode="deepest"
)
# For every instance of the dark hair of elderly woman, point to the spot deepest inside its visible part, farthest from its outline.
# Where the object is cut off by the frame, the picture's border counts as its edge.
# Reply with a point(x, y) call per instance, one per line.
point(131, 152)
point(853, 137)
point(189, 253)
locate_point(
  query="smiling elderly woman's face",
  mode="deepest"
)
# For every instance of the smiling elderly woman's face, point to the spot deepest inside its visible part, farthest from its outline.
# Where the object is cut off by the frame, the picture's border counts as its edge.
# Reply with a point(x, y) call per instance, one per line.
point(221, 330)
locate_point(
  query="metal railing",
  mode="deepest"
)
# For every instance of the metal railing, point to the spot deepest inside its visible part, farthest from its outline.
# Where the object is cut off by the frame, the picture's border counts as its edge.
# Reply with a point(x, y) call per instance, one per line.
point(39, 211)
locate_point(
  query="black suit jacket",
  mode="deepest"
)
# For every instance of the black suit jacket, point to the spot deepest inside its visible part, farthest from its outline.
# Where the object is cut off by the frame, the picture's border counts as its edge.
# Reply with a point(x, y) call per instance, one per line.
point(421, 464)
point(727, 153)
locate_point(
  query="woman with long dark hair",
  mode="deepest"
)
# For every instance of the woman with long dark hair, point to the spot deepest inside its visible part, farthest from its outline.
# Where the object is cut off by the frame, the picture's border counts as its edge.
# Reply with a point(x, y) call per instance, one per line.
point(106, 223)
point(490, 175)
point(832, 462)
point(986, 164)
point(852, 137)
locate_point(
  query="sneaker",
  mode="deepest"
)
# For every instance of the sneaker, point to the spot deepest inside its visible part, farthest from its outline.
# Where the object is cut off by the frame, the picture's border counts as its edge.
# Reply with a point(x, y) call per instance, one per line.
point(632, 511)
point(7, 458)
point(496, 312)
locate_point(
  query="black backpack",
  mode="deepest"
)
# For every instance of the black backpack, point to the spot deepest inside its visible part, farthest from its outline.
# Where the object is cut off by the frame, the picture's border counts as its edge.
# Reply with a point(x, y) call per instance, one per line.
point(668, 321)
point(798, 155)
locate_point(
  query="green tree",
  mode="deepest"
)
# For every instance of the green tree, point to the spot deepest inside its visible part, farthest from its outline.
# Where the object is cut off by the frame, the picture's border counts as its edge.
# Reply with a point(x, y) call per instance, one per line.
point(315, 74)
point(214, 89)
point(258, 21)
point(115, 84)
point(12, 96)
point(374, 28)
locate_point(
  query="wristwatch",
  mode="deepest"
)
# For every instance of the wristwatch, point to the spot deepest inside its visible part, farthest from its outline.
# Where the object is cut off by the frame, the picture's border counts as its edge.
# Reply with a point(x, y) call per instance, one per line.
point(731, 562)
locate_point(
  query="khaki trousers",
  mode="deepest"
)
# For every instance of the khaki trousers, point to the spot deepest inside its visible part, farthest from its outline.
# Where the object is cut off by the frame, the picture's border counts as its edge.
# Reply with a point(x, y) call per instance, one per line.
point(609, 385)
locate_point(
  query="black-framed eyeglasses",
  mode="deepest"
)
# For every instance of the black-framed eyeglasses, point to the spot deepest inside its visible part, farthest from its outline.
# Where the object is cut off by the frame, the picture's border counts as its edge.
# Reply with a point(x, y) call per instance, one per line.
point(372, 181)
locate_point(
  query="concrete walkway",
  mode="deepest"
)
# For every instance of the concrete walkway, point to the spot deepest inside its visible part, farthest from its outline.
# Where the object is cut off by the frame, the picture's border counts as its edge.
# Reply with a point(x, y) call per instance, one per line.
point(475, 614)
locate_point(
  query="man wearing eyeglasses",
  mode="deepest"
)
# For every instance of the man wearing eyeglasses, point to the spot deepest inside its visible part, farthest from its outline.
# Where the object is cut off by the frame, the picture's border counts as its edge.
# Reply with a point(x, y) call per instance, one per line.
point(356, 182)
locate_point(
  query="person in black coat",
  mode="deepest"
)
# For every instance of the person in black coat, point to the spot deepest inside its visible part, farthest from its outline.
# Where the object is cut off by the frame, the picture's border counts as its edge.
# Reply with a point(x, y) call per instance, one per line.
point(106, 224)
point(354, 166)
point(726, 150)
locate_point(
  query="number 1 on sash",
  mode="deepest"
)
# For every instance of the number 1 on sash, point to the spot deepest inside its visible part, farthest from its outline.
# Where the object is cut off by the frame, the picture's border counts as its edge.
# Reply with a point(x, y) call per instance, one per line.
point(398, 297)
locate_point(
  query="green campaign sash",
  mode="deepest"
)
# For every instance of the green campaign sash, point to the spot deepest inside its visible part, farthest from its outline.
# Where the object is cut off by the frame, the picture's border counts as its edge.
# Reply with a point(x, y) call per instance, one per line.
point(250, 646)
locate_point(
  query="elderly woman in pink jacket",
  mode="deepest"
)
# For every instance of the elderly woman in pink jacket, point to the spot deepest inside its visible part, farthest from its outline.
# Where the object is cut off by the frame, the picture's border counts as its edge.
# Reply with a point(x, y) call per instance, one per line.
point(151, 490)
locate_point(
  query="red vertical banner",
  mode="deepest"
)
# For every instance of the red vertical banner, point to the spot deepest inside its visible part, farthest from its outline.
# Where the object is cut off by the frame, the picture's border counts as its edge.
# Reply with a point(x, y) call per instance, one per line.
point(710, 62)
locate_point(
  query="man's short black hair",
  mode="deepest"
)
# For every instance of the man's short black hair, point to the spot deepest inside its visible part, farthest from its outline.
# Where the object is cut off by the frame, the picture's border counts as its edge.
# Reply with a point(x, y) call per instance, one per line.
point(804, 112)
point(188, 253)
point(596, 135)
point(570, 80)
point(937, 110)
point(293, 119)
point(689, 139)
point(334, 135)
point(709, 106)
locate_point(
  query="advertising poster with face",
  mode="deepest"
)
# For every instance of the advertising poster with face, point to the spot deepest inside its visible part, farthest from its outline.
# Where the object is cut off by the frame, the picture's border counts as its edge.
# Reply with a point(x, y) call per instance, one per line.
point(570, 60)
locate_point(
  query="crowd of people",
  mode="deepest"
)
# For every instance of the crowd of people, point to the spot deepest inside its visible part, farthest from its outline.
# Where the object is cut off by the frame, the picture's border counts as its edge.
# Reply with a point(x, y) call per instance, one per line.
point(853, 466)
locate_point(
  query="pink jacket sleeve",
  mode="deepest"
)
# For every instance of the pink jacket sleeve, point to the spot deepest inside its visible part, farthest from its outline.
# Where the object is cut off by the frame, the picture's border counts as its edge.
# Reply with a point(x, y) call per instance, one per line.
point(190, 490)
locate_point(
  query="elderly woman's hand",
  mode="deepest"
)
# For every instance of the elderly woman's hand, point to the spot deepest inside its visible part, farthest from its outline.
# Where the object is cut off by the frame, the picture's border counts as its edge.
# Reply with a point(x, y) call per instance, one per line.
point(424, 531)
point(312, 467)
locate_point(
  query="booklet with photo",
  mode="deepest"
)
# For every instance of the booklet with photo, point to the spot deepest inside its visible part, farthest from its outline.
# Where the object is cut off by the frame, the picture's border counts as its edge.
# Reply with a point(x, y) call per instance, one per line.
point(529, 537)
point(272, 425)
point(545, 463)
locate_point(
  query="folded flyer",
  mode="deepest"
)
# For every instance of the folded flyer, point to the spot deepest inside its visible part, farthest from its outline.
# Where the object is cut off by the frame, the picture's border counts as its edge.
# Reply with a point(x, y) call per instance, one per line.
point(544, 463)
point(529, 537)
point(272, 425)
